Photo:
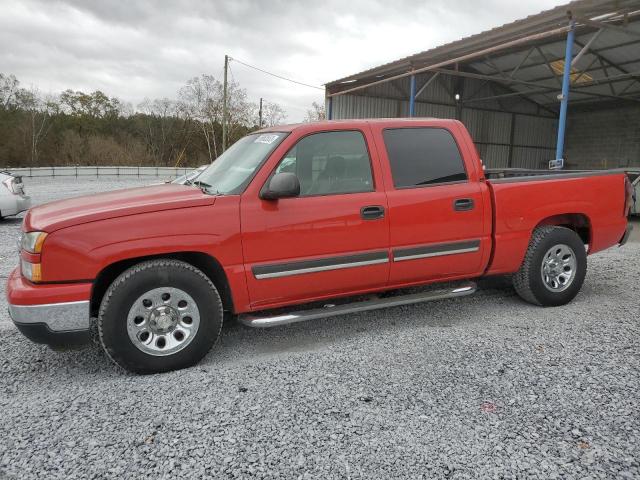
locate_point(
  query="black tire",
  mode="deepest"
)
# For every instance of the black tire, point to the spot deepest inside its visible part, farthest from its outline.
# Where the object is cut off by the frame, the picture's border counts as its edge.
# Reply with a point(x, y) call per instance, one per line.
point(142, 278)
point(528, 281)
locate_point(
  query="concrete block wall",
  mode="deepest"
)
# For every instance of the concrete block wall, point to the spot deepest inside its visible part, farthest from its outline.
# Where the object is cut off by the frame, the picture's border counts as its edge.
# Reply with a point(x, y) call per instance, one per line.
point(607, 138)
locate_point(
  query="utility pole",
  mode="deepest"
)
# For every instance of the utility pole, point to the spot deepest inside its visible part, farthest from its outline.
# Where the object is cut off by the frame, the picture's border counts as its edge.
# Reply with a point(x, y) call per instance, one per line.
point(260, 113)
point(224, 104)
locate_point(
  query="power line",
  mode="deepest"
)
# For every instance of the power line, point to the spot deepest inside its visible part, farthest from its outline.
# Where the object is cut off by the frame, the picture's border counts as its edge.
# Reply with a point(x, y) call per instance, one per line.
point(275, 75)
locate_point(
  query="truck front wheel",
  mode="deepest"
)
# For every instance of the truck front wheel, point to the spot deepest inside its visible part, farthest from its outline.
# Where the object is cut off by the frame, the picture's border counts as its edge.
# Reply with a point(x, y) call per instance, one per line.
point(554, 267)
point(159, 315)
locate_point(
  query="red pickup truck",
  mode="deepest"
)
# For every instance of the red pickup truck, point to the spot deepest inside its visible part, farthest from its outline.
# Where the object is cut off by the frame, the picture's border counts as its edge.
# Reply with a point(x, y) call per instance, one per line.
point(290, 217)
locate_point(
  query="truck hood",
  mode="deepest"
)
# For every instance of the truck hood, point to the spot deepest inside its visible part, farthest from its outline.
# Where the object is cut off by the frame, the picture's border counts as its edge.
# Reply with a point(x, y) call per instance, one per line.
point(131, 201)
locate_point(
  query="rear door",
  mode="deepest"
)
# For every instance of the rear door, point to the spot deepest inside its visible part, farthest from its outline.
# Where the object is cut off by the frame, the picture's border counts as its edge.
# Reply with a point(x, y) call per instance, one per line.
point(436, 209)
point(332, 239)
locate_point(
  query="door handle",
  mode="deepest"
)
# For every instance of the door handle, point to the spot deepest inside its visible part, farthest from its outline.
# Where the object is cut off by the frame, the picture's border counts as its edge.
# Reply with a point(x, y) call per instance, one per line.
point(372, 212)
point(463, 204)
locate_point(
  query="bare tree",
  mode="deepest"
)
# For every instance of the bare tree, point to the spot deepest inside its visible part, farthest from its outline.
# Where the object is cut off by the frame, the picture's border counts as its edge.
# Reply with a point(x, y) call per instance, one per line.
point(38, 119)
point(272, 114)
point(201, 99)
point(166, 129)
point(315, 113)
point(8, 88)
point(240, 110)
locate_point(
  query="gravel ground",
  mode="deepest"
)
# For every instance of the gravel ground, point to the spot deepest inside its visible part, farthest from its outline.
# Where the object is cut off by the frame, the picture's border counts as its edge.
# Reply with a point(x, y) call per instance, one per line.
point(481, 387)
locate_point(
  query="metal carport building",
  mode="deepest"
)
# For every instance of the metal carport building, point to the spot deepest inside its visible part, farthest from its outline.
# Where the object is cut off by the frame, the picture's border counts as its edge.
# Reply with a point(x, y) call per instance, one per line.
point(506, 85)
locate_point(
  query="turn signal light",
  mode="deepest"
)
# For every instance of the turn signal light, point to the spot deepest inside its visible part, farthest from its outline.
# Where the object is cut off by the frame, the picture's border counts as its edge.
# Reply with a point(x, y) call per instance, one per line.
point(31, 271)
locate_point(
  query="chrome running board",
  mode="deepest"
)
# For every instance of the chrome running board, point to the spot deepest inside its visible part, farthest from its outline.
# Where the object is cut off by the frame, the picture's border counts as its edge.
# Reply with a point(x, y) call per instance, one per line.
point(267, 319)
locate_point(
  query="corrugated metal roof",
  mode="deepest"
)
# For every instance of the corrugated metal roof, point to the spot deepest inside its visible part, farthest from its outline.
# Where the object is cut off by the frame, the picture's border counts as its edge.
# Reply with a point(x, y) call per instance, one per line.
point(543, 21)
point(615, 53)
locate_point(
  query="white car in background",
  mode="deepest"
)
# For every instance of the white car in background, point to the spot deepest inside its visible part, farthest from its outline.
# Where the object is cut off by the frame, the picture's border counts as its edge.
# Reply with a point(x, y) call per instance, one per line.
point(12, 197)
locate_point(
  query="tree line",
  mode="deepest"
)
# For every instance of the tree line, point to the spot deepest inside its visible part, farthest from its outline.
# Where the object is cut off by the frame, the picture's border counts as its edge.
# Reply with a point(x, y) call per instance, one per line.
point(78, 128)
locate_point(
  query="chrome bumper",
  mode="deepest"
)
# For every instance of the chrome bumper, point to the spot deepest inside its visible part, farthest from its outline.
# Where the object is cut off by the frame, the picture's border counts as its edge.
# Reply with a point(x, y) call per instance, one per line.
point(59, 325)
point(58, 317)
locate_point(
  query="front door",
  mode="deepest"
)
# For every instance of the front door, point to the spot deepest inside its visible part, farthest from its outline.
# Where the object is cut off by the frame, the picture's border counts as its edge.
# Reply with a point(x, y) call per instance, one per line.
point(332, 239)
point(436, 210)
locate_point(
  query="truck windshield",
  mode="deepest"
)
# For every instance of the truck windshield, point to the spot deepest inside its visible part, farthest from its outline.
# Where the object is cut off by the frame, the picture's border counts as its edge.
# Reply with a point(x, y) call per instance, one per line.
point(232, 171)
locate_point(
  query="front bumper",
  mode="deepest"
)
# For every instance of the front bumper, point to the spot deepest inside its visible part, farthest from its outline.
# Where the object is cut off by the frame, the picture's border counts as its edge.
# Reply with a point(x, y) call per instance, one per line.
point(14, 204)
point(57, 315)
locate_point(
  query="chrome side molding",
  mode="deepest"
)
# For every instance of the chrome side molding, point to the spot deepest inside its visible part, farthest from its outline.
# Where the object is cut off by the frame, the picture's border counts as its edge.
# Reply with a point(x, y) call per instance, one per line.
point(265, 319)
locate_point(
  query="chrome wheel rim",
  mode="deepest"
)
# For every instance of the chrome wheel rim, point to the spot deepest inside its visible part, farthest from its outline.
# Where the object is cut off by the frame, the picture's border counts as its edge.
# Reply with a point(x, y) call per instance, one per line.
point(163, 321)
point(558, 268)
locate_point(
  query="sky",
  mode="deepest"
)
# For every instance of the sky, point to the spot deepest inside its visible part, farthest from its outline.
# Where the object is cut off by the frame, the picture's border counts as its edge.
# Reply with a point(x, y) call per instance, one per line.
point(137, 49)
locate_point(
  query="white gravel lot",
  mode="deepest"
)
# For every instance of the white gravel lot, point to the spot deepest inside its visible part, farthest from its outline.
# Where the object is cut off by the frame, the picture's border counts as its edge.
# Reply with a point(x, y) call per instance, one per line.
point(480, 387)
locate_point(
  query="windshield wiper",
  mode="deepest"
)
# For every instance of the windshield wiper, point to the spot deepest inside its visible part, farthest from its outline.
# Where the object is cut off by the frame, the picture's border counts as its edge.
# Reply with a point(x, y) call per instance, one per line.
point(201, 183)
point(204, 186)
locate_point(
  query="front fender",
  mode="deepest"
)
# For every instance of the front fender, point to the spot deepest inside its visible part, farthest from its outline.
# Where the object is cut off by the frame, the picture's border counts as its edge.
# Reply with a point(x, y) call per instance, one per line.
point(80, 252)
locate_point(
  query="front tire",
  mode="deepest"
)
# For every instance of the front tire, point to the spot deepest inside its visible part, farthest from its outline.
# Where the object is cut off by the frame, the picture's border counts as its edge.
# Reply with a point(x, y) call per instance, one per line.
point(553, 269)
point(158, 316)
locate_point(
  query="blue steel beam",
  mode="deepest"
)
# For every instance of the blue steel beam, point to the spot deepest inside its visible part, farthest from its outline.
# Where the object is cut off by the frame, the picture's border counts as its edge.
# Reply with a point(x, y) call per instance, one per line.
point(412, 97)
point(566, 80)
point(330, 109)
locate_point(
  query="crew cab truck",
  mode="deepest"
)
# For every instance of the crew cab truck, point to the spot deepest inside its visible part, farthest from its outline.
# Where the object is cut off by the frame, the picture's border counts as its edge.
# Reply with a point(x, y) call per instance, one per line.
point(298, 222)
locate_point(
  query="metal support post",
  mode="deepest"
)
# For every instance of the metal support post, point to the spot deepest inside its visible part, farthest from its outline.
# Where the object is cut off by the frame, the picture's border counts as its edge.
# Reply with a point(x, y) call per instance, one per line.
point(564, 99)
point(412, 97)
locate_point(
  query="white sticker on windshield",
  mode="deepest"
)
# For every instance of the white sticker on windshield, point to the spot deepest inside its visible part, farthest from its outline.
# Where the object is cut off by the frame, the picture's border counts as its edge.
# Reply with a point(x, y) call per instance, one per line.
point(268, 139)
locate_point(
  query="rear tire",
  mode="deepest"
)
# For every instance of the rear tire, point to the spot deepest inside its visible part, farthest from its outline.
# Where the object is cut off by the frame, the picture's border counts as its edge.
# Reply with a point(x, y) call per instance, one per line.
point(553, 268)
point(158, 316)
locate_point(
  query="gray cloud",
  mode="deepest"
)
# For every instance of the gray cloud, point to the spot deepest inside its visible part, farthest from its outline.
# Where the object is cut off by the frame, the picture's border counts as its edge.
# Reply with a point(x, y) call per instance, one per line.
point(141, 48)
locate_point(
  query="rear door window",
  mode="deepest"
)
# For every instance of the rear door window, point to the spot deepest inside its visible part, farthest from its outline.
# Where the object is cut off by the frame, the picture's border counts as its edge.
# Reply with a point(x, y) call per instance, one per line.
point(423, 156)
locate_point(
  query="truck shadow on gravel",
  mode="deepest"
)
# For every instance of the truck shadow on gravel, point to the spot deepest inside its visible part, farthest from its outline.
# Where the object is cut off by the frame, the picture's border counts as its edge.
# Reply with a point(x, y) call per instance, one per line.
point(244, 344)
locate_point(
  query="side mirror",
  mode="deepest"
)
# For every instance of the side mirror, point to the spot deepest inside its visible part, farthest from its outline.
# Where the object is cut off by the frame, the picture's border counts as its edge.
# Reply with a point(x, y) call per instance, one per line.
point(281, 185)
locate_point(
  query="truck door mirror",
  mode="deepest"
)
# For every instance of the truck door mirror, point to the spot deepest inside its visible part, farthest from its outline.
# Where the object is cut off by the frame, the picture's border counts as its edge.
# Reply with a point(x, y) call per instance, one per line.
point(281, 185)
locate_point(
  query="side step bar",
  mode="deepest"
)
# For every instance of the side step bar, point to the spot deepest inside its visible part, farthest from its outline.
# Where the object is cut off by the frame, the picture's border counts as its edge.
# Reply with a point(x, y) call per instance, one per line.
point(264, 319)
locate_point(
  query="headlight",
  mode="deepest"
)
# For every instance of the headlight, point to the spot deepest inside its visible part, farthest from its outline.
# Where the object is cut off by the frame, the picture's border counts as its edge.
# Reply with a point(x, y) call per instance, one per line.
point(31, 271)
point(32, 241)
point(10, 183)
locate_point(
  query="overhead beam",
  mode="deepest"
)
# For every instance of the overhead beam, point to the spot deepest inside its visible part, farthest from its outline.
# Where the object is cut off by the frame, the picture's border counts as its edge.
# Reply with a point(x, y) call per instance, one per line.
point(583, 72)
point(585, 49)
point(462, 58)
point(548, 64)
point(608, 26)
point(524, 59)
point(592, 51)
point(453, 105)
point(576, 88)
point(617, 67)
point(503, 75)
point(491, 78)
point(427, 83)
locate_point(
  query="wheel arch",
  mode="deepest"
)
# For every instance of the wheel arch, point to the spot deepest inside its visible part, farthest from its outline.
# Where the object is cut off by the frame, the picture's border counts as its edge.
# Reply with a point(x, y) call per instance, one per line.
point(578, 222)
point(209, 265)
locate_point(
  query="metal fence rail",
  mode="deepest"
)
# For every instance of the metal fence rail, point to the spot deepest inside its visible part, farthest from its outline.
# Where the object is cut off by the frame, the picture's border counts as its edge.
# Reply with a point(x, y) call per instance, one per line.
point(99, 171)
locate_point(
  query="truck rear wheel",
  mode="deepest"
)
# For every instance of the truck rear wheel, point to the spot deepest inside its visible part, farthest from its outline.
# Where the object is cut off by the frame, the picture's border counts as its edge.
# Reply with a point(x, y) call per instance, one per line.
point(553, 269)
point(158, 316)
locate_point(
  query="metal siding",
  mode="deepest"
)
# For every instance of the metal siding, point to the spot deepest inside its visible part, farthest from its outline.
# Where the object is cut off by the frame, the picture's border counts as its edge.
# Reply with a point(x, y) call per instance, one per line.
point(487, 127)
point(532, 158)
point(436, 111)
point(535, 131)
point(351, 106)
point(494, 156)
